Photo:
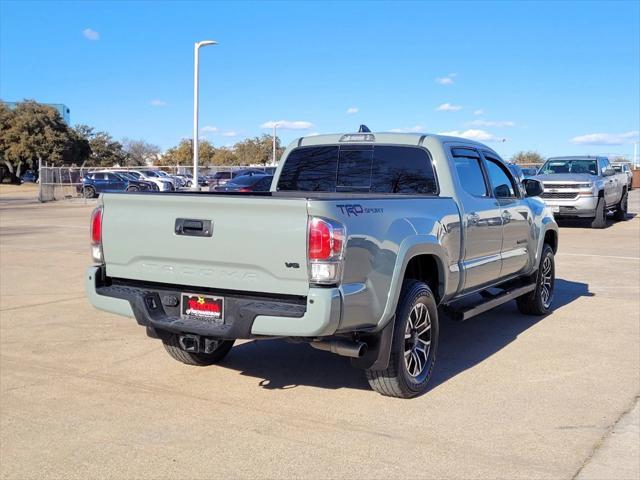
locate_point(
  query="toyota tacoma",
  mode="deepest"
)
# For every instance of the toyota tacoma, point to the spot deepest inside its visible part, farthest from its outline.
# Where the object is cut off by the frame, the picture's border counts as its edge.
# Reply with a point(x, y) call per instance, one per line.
point(362, 243)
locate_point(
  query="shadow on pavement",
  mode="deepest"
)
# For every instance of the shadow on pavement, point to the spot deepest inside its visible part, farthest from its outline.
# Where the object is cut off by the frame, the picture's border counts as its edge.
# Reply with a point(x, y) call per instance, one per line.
point(283, 365)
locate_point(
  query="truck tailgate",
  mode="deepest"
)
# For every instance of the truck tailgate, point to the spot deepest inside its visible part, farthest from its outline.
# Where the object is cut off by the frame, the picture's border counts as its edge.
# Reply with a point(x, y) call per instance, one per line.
point(257, 244)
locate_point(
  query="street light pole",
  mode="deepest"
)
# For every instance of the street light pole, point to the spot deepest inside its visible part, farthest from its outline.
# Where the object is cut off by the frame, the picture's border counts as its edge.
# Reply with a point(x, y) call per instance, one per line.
point(196, 73)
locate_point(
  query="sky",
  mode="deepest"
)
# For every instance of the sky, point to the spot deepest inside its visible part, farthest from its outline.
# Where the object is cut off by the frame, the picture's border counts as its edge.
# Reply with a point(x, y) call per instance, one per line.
point(556, 77)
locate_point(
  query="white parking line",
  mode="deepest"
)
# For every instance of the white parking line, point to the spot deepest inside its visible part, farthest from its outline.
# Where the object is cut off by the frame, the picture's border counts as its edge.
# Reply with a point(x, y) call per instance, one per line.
point(593, 255)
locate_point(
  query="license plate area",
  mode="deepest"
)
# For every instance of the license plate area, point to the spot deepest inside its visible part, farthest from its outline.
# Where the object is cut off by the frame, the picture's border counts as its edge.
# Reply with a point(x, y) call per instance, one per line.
point(555, 208)
point(205, 308)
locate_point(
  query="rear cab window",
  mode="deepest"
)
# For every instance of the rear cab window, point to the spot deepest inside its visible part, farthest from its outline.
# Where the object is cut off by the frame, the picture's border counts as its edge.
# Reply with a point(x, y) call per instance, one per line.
point(362, 168)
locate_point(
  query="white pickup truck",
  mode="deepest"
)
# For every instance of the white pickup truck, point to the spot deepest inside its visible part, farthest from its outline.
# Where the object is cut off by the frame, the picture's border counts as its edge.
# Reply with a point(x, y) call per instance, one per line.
point(584, 187)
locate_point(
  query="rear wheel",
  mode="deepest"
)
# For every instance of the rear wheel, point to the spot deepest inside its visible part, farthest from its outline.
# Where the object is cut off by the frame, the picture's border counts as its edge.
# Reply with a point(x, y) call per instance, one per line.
point(600, 220)
point(88, 192)
point(133, 188)
point(172, 346)
point(538, 302)
point(621, 209)
point(414, 345)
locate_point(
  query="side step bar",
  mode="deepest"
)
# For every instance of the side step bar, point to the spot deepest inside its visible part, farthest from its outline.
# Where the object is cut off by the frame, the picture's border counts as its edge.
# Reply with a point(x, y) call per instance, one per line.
point(492, 301)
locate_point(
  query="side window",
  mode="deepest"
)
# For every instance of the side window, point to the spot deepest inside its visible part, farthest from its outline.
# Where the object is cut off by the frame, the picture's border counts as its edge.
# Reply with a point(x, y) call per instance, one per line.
point(99, 176)
point(501, 180)
point(467, 163)
point(604, 164)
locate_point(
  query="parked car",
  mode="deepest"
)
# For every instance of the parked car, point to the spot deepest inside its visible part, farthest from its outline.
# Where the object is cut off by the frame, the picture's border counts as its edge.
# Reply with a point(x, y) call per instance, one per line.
point(177, 180)
point(95, 183)
point(164, 185)
point(29, 177)
point(247, 171)
point(218, 178)
point(529, 172)
point(620, 167)
point(144, 185)
point(584, 187)
point(361, 239)
point(247, 183)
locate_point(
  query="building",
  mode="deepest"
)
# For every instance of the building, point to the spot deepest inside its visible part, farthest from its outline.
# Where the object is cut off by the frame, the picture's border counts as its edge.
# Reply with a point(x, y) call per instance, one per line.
point(62, 109)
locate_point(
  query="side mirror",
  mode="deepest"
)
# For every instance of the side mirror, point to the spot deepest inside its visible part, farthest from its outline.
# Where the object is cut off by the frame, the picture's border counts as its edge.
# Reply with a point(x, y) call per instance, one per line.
point(533, 187)
point(608, 172)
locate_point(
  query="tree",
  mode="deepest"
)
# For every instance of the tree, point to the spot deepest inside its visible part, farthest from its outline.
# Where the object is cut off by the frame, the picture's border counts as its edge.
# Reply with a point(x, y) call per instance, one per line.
point(33, 132)
point(225, 156)
point(530, 157)
point(139, 152)
point(182, 154)
point(105, 151)
point(257, 150)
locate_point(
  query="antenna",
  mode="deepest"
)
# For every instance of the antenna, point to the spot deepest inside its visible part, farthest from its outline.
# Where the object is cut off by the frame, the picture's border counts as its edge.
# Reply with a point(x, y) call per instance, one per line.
point(364, 129)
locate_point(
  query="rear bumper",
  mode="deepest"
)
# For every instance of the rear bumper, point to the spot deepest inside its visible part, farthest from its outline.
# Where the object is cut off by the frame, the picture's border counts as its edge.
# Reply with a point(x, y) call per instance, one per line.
point(246, 315)
point(581, 207)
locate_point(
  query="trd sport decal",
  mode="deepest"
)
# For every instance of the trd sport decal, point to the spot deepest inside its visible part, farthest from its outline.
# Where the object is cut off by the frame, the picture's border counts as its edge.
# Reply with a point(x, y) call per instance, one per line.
point(355, 209)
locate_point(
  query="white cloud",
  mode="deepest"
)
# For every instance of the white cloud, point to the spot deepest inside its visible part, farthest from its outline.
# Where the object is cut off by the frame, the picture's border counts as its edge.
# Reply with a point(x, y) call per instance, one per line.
point(209, 128)
point(90, 34)
point(473, 134)
point(447, 107)
point(446, 80)
point(158, 103)
point(287, 125)
point(312, 134)
point(230, 133)
point(352, 110)
point(478, 112)
point(492, 123)
point(414, 129)
point(606, 138)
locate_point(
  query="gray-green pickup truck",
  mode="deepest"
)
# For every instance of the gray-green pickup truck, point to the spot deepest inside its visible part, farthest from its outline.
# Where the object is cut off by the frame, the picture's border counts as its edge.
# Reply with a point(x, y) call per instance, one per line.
point(362, 242)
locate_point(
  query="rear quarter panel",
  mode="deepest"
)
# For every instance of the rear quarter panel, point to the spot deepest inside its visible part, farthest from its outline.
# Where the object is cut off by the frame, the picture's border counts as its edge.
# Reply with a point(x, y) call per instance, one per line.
point(382, 235)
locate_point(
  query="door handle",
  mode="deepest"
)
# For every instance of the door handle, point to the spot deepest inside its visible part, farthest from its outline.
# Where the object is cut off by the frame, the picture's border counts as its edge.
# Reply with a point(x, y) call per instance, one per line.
point(193, 227)
point(473, 218)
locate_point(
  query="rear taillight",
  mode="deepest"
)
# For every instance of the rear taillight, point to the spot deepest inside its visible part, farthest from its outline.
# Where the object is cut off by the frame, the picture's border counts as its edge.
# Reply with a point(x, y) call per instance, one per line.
point(325, 247)
point(96, 235)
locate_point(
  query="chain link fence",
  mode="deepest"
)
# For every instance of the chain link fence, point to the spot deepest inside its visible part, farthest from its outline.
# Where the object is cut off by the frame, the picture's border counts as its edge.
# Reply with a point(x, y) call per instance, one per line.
point(65, 183)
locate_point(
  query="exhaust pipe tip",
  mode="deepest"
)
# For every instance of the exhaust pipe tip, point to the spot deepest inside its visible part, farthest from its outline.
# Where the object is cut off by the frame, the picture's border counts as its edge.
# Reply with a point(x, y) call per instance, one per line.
point(343, 348)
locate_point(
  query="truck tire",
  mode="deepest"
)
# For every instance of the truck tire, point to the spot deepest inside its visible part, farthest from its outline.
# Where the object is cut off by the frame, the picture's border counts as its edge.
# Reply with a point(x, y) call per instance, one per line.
point(88, 192)
point(414, 345)
point(600, 220)
point(621, 210)
point(171, 345)
point(538, 302)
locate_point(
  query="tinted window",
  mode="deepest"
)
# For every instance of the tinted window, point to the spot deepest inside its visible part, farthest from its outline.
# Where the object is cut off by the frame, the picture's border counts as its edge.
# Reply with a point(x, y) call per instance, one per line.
point(222, 175)
point(470, 175)
point(354, 170)
point(100, 176)
point(310, 169)
point(361, 168)
point(403, 170)
point(501, 182)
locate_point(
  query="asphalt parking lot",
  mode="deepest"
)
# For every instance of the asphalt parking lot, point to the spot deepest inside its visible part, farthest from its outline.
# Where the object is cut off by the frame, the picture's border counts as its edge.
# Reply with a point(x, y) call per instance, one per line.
point(85, 394)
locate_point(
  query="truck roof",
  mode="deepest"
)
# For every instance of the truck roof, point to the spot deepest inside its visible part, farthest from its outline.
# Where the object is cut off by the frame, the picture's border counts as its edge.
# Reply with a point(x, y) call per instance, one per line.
point(380, 137)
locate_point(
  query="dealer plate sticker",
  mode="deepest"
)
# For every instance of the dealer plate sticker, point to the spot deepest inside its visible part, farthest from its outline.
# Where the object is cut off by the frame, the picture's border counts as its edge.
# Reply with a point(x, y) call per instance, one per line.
point(202, 307)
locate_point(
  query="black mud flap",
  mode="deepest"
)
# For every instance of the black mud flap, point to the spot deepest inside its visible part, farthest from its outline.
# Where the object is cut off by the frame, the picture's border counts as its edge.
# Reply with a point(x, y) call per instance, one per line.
point(378, 349)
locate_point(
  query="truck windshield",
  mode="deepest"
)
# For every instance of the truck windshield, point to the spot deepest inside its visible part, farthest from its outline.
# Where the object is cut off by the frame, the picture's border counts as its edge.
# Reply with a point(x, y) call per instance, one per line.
point(359, 168)
point(569, 166)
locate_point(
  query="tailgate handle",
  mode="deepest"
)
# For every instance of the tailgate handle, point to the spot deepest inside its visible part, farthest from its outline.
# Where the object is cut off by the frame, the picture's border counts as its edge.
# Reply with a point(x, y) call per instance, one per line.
point(193, 227)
